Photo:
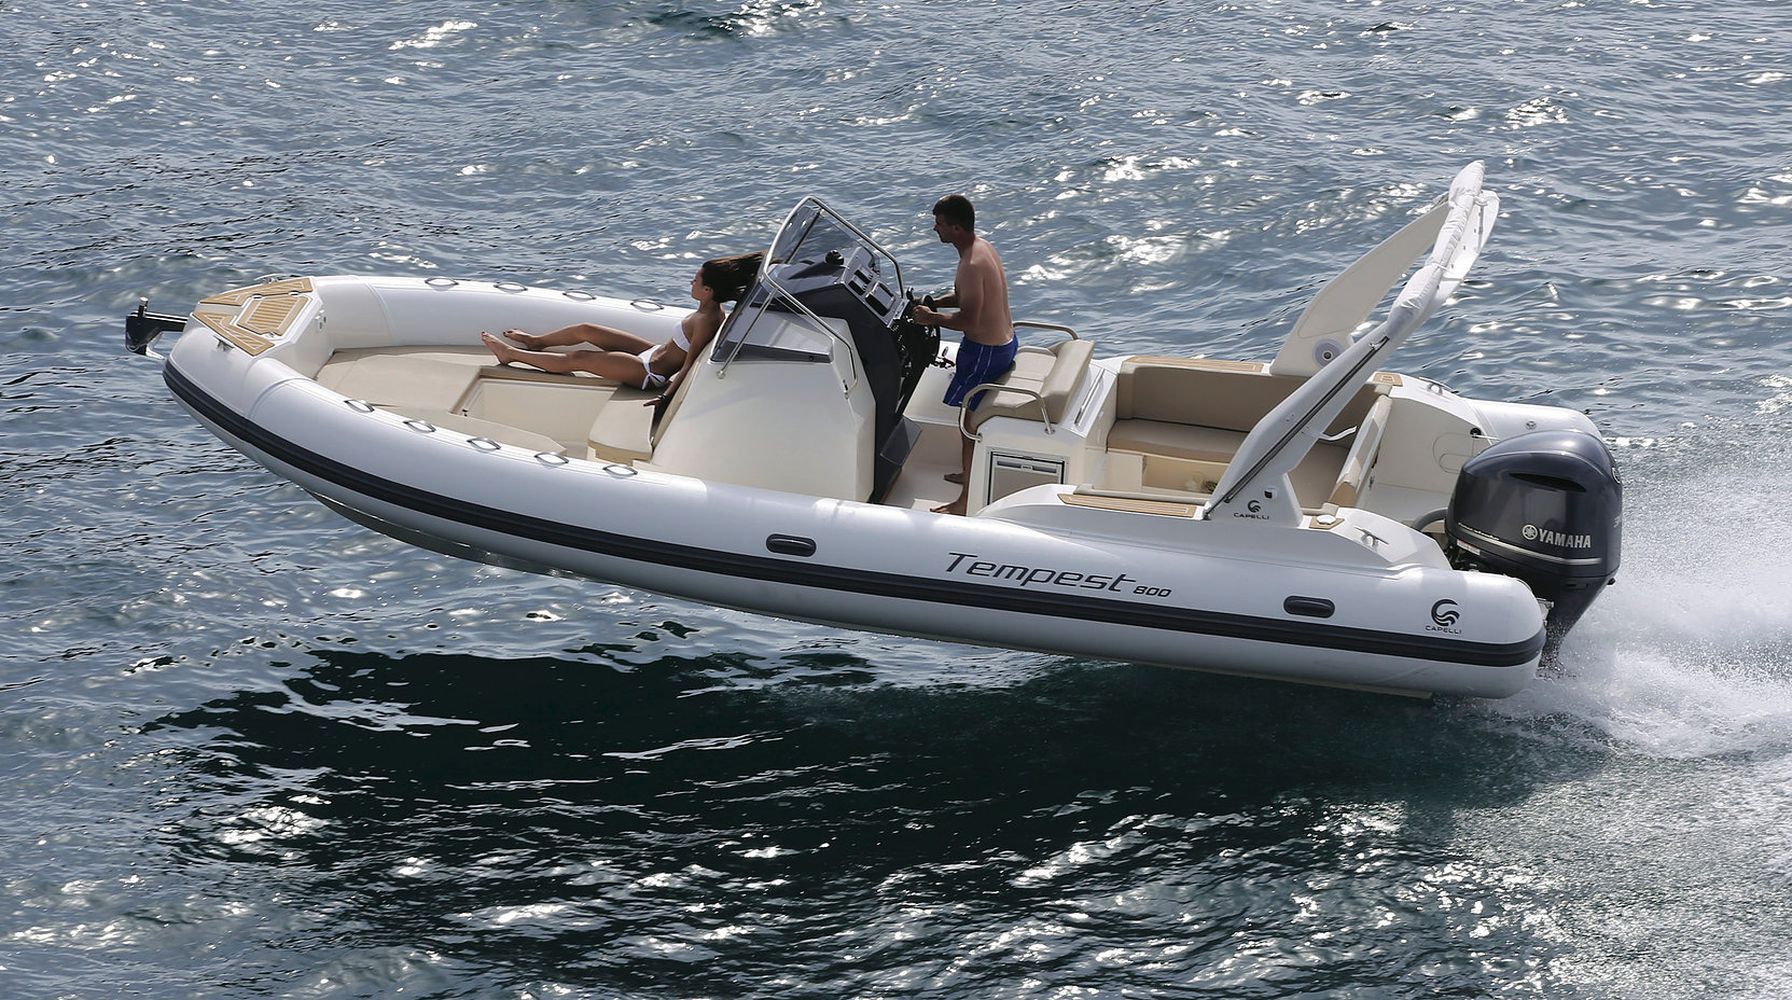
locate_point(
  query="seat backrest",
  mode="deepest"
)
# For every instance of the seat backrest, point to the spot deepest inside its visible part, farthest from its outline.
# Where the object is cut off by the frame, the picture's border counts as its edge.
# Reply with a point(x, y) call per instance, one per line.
point(1362, 453)
point(1229, 395)
point(1053, 373)
point(665, 417)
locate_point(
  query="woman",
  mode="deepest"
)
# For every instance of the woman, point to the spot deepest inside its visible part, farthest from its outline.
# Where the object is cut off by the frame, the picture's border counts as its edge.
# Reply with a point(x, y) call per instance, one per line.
point(634, 360)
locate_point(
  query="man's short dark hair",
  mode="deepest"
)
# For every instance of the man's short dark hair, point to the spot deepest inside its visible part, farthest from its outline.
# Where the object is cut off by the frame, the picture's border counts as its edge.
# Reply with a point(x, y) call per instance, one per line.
point(956, 209)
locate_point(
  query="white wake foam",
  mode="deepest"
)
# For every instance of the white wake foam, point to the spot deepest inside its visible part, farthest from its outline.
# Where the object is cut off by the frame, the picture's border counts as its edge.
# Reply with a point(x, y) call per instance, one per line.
point(1690, 654)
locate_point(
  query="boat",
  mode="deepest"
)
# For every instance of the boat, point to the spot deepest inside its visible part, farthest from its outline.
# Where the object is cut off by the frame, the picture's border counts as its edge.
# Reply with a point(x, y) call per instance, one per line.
point(1312, 518)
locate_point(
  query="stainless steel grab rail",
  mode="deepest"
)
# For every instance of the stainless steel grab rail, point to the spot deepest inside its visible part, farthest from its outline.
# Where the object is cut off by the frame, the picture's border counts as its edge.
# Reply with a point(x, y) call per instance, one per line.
point(808, 314)
point(1035, 325)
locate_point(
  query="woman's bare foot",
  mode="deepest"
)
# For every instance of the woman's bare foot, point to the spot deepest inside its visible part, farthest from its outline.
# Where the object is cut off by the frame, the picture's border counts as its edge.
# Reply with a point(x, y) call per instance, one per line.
point(526, 340)
point(955, 478)
point(955, 507)
point(502, 351)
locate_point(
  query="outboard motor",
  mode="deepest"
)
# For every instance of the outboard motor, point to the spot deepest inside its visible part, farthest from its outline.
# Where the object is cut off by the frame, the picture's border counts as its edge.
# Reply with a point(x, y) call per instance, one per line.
point(1544, 507)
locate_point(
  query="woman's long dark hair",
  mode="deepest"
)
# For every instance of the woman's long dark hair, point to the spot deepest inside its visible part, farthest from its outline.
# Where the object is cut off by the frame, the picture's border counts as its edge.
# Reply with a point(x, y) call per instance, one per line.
point(730, 277)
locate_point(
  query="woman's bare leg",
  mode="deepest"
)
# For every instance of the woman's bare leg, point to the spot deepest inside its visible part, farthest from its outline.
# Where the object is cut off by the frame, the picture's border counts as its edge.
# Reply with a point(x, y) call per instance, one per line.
point(624, 368)
point(607, 337)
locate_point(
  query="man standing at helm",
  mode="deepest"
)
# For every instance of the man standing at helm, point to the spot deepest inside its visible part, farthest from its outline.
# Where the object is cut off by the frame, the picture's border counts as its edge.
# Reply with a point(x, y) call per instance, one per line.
point(980, 294)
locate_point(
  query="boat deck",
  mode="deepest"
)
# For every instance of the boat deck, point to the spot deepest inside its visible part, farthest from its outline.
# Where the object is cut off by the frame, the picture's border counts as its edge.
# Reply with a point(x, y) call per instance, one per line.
point(463, 389)
point(1163, 455)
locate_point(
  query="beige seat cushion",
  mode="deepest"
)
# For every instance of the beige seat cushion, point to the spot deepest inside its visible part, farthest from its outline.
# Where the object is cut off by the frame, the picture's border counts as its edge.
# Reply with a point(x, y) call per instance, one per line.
point(1210, 394)
point(1155, 437)
point(623, 430)
point(425, 376)
point(1051, 372)
point(398, 382)
point(1313, 479)
point(1232, 395)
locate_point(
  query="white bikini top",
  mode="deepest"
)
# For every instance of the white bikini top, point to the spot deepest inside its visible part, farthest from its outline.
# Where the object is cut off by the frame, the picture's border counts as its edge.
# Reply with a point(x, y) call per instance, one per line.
point(679, 340)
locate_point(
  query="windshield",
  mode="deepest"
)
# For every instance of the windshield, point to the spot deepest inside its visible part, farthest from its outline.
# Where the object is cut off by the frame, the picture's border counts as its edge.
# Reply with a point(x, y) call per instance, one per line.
point(816, 246)
point(812, 229)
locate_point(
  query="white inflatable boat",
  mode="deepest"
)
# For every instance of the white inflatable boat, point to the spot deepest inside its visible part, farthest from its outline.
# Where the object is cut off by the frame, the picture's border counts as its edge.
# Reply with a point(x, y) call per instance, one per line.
point(1308, 519)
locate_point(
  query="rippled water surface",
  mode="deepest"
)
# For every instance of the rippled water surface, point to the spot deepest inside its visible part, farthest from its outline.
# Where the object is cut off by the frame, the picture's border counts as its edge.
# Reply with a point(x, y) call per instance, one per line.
point(248, 748)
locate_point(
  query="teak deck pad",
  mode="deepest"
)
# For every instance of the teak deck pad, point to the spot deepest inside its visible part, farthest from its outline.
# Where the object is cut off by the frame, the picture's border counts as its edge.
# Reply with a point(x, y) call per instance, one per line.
point(270, 310)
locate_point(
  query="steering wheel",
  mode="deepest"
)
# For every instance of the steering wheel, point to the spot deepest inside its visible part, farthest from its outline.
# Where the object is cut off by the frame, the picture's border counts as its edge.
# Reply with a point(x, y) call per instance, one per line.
point(933, 329)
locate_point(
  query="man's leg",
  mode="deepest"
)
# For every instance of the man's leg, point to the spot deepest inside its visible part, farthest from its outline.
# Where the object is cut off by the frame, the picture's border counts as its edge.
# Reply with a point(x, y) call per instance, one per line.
point(964, 480)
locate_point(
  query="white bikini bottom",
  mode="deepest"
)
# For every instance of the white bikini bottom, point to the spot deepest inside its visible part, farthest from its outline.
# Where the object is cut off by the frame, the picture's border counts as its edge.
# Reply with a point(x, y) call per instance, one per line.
point(653, 380)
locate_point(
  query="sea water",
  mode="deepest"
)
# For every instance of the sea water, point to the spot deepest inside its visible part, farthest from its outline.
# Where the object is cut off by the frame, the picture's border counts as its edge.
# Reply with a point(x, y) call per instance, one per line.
point(251, 749)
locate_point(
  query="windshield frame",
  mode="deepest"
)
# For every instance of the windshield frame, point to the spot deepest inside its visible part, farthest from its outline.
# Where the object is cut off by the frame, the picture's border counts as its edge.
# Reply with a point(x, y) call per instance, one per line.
point(792, 236)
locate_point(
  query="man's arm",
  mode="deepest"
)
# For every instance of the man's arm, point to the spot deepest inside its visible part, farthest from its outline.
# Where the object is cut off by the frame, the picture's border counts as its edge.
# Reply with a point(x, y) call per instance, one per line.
point(969, 294)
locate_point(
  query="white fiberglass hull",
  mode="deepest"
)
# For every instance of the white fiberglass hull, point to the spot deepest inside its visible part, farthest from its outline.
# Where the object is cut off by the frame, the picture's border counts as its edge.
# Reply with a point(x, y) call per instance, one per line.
point(1027, 573)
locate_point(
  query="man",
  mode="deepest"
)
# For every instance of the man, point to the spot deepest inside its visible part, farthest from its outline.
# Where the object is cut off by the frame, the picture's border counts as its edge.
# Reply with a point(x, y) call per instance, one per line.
point(980, 294)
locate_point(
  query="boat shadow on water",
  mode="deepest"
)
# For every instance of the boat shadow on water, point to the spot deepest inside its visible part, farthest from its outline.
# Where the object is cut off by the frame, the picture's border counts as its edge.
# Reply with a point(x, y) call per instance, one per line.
point(449, 799)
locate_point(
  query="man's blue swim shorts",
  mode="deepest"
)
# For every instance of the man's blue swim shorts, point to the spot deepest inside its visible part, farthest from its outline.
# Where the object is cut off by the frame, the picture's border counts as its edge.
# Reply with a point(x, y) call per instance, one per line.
point(977, 364)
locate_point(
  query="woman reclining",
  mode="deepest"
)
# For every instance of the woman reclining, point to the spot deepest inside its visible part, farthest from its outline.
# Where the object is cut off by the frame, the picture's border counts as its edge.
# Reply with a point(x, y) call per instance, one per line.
point(630, 359)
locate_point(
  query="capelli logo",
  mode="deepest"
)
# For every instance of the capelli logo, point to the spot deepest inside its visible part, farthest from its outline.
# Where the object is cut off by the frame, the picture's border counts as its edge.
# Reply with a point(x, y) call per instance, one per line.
point(1253, 510)
point(1445, 614)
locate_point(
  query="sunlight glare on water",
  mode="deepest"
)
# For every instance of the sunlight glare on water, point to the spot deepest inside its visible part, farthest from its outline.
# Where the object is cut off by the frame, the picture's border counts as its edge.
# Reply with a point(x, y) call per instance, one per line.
point(250, 748)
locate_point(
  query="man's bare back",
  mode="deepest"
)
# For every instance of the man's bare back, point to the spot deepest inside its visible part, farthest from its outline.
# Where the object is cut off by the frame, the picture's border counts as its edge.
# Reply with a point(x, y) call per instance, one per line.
point(980, 270)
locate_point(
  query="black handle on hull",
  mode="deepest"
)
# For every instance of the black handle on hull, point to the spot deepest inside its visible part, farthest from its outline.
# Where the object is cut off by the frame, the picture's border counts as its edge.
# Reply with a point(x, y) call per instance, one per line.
point(790, 545)
point(1312, 607)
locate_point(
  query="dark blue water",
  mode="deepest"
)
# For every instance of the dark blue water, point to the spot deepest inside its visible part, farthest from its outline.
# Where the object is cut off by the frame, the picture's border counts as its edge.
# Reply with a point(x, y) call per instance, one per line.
point(250, 749)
